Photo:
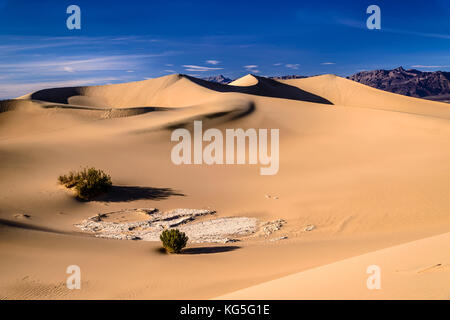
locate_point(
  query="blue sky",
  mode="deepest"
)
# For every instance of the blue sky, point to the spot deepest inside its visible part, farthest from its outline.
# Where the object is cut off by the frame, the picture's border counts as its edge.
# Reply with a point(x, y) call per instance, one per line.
point(133, 40)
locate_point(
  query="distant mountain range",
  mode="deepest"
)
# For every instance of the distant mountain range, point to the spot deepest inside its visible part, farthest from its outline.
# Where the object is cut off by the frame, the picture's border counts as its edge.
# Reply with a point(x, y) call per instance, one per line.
point(218, 79)
point(293, 76)
point(411, 82)
point(224, 80)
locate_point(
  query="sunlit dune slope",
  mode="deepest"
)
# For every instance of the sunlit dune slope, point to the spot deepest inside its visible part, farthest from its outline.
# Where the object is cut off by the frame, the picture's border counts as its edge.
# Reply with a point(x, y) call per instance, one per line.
point(171, 91)
point(414, 270)
point(245, 81)
point(341, 91)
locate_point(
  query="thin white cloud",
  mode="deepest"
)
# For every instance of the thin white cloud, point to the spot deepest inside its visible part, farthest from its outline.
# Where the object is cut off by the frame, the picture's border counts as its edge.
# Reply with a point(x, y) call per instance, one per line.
point(278, 64)
point(169, 65)
point(76, 64)
point(25, 43)
point(433, 67)
point(35, 72)
point(327, 63)
point(10, 48)
point(213, 62)
point(292, 66)
point(360, 25)
point(252, 68)
point(419, 34)
point(199, 68)
point(170, 71)
point(13, 90)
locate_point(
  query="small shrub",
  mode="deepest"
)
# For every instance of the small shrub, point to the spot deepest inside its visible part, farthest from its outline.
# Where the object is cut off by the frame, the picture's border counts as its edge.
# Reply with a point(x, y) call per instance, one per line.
point(88, 183)
point(70, 180)
point(173, 240)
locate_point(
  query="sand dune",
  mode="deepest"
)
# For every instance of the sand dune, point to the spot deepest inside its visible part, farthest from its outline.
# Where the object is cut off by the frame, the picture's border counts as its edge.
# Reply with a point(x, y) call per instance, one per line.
point(168, 91)
point(368, 169)
point(245, 81)
point(260, 86)
point(415, 270)
point(346, 92)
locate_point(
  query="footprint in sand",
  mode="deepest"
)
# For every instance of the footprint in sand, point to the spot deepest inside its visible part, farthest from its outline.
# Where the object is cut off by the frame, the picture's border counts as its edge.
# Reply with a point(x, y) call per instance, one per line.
point(436, 268)
point(22, 216)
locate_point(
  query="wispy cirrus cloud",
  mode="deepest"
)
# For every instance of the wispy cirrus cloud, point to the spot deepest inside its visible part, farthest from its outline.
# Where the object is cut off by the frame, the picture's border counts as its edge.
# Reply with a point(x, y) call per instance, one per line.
point(27, 61)
point(213, 62)
point(194, 68)
point(358, 24)
point(34, 73)
point(431, 67)
point(418, 34)
point(27, 43)
point(292, 66)
point(327, 63)
point(12, 90)
point(76, 64)
point(252, 68)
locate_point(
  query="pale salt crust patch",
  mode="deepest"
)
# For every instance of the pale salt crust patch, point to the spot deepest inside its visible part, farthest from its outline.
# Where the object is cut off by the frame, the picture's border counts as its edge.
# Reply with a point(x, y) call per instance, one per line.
point(220, 230)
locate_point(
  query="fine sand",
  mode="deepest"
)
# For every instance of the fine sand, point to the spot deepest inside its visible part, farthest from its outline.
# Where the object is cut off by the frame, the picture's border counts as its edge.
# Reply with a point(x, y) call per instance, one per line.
point(364, 179)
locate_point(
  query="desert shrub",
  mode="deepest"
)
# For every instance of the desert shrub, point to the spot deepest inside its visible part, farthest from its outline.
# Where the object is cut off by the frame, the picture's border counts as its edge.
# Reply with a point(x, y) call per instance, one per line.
point(88, 183)
point(69, 180)
point(173, 240)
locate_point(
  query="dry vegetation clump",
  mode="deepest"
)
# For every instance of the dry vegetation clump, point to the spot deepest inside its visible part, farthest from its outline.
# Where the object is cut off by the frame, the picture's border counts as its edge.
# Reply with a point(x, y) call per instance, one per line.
point(173, 240)
point(88, 183)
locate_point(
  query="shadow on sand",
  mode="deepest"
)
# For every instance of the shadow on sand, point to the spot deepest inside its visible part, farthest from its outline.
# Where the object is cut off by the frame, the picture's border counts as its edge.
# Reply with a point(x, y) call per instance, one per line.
point(203, 250)
point(131, 193)
point(208, 250)
point(265, 87)
point(28, 226)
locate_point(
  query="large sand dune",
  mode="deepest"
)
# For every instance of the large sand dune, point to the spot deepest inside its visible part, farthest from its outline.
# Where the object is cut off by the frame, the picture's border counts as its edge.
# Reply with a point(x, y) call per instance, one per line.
point(369, 170)
point(346, 92)
point(415, 270)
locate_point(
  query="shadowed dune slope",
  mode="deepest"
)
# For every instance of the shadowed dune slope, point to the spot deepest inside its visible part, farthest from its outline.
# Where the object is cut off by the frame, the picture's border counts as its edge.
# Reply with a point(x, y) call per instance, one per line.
point(260, 86)
point(48, 108)
point(19, 104)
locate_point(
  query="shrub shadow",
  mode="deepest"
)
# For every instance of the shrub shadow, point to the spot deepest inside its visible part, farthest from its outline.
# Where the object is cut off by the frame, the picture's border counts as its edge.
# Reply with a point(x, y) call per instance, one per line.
point(131, 193)
point(209, 250)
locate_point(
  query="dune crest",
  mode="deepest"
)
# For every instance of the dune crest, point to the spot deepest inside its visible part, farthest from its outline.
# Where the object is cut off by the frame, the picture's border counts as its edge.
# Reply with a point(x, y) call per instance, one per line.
point(245, 81)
